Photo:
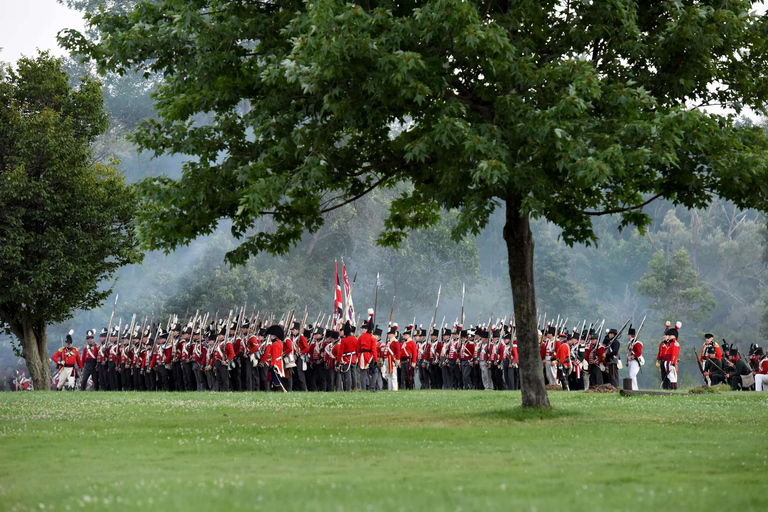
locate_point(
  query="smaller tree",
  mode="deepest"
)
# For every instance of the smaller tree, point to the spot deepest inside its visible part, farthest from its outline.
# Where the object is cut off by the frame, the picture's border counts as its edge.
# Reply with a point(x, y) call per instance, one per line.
point(65, 223)
point(675, 289)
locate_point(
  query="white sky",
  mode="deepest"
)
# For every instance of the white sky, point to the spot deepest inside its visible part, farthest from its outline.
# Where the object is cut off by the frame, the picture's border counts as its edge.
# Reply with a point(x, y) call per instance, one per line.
point(26, 25)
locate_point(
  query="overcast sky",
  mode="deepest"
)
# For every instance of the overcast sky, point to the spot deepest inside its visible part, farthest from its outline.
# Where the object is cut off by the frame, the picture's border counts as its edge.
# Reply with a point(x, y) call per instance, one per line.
point(26, 25)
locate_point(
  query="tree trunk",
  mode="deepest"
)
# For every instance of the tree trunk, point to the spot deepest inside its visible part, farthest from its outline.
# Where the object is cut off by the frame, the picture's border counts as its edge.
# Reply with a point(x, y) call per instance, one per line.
point(517, 234)
point(34, 345)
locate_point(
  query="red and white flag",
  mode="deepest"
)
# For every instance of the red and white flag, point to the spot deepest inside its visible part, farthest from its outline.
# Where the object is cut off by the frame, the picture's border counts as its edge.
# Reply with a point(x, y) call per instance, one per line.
point(338, 307)
point(349, 314)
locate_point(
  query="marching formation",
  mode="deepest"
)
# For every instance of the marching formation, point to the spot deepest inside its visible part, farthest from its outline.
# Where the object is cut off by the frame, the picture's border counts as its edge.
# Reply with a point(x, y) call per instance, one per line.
point(243, 353)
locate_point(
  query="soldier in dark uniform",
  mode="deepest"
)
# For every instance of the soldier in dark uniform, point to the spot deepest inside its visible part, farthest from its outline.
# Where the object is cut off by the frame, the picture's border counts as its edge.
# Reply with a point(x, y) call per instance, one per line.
point(735, 368)
point(712, 368)
point(612, 346)
point(162, 357)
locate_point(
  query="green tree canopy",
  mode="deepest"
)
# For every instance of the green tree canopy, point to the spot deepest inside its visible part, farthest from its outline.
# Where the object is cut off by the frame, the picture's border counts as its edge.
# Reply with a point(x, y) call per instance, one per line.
point(674, 288)
point(564, 110)
point(65, 223)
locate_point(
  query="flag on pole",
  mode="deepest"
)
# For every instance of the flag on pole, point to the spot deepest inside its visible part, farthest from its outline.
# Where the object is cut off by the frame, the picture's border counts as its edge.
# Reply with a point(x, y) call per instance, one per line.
point(350, 308)
point(338, 308)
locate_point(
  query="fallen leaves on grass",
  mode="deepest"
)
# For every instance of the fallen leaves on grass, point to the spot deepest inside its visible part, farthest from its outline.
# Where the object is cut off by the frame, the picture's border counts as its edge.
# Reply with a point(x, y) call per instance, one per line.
point(603, 388)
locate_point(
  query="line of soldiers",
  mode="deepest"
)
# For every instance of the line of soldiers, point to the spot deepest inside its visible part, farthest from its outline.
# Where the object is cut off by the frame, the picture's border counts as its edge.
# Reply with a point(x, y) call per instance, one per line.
point(726, 365)
point(245, 357)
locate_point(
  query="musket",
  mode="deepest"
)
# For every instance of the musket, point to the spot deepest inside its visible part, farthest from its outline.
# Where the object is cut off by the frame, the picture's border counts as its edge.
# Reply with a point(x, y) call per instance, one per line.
point(130, 335)
point(463, 289)
point(186, 316)
point(706, 382)
point(109, 329)
point(392, 311)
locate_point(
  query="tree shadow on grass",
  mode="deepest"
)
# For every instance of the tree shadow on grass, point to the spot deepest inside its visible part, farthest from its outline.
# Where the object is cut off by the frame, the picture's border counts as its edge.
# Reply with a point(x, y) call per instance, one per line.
point(529, 414)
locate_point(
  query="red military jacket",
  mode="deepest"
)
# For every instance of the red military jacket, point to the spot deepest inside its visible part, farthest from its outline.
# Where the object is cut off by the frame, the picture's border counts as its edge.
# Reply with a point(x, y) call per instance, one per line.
point(303, 345)
point(637, 350)
point(467, 351)
point(112, 354)
point(90, 353)
point(316, 350)
point(239, 346)
point(408, 351)
point(349, 346)
point(224, 352)
point(276, 357)
point(125, 354)
point(564, 354)
point(328, 352)
point(663, 350)
point(252, 345)
point(367, 350)
point(68, 358)
point(762, 366)
point(673, 352)
point(718, 352)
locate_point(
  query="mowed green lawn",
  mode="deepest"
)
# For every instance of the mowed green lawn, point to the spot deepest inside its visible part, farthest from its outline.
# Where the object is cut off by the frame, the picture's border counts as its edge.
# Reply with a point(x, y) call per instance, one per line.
point(424, 450)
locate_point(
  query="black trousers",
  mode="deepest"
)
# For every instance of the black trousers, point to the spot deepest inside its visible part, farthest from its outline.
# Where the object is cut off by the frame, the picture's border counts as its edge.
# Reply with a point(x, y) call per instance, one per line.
point(447, 375)
point(246, 373)
point(263, 381)
point(466, 374)
point(178, 376)
point(497, 377)
point(138, 381)
point(235, 383)
point(190, 382)
point(89, 370)
point(150, 380)
point(424, 374)
point(222, 374)
point(310, 378)
point(163, 377)
point(299, 376)
point(114, 382)
point(126, 377)
point(595, 376)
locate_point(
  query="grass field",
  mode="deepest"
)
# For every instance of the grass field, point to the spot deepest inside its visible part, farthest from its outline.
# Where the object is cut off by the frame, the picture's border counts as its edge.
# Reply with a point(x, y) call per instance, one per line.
point(425, 450)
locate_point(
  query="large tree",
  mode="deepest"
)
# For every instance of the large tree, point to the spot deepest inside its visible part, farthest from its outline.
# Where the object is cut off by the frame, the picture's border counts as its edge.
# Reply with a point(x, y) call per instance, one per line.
point(565, 110)
point(65, 222)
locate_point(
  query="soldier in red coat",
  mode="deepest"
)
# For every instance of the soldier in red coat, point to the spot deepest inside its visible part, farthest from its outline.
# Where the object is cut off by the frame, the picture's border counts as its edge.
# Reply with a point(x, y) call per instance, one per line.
point(223, 355)
point(300, 354)
point(467, 357)
point(67, 360)
point(407, 359)
point(348, 348)
point(391, 358)
point(367, 353)
point(634, 356)
point(761, 377)
point(89, 361)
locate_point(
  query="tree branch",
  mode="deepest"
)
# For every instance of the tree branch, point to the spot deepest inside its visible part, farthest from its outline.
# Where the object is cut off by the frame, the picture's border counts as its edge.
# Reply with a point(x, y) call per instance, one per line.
point(355, 198)
point(627, 209)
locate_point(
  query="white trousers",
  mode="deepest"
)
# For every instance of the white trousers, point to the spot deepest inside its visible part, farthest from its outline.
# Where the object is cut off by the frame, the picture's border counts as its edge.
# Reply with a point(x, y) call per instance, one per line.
point(391, 378)
point(634, 369)
point(760, 381)
point(671, 372)
point(64, 374)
